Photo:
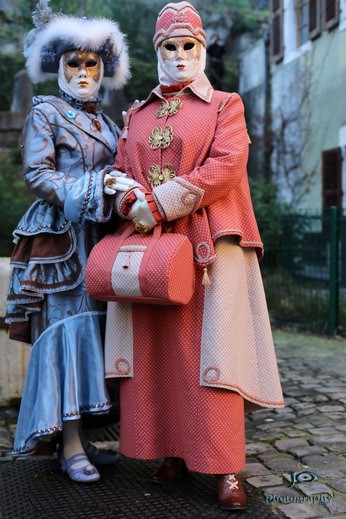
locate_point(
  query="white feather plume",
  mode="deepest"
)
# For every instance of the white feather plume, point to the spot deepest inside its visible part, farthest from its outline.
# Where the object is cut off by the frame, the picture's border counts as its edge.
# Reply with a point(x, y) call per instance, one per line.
point(42, 14)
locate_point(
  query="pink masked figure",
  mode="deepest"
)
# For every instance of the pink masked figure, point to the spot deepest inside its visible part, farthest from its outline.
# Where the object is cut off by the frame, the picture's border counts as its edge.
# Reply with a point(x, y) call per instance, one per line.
point(192, 371)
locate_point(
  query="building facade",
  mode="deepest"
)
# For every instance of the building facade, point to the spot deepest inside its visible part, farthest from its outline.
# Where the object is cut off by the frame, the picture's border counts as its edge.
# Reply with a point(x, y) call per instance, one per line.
point(293, 83)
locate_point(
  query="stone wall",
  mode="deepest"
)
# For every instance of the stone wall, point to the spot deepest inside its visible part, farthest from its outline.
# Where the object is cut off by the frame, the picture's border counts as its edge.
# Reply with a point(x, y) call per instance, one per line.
point(10, 129)
point(14, 355)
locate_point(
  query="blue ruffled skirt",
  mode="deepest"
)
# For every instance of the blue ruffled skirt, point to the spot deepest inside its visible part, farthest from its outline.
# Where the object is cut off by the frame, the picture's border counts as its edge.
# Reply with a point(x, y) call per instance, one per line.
point(65, 378)
point(65, 375)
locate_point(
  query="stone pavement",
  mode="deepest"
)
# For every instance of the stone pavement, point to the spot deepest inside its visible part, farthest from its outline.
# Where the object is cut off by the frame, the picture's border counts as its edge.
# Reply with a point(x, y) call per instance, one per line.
point(296, 456)
point(305, 442)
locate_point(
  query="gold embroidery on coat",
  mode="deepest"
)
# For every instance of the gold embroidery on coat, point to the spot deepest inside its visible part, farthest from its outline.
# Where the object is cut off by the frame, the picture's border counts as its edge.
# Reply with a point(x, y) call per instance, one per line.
point(157, 177)
point(169, 107)
point(161, 137)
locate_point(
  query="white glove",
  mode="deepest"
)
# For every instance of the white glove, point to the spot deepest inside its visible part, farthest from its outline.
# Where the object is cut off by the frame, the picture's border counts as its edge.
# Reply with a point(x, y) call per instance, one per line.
point(141, 214)
point(116, 181)
point(123, 113)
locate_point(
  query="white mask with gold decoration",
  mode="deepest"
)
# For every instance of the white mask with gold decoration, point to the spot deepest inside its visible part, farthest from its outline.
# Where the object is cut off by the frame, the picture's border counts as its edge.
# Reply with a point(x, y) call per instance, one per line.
point(180, 59)
point(80, 74)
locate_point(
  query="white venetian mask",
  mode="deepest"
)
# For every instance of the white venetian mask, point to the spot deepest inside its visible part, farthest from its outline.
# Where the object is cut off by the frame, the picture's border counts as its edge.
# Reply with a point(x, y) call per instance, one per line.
point(80, 74)
point(180, 59)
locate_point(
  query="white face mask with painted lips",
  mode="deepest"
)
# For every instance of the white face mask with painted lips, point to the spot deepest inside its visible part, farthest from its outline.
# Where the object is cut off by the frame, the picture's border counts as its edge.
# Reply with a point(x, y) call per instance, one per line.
point(180, 59)
point(80, 74)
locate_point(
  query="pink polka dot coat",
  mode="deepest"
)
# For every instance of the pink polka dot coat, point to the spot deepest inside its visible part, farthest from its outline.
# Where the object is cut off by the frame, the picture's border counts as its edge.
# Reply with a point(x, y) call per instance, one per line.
point(187, 372)
point(203, 144)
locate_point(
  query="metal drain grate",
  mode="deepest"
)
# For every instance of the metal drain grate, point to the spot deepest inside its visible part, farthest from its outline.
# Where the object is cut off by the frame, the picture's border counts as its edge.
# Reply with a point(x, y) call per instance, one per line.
point(34, 488)
point(103, 434)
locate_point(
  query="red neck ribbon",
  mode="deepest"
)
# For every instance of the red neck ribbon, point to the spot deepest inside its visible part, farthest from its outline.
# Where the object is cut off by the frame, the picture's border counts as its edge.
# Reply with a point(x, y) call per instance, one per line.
point(171, 89)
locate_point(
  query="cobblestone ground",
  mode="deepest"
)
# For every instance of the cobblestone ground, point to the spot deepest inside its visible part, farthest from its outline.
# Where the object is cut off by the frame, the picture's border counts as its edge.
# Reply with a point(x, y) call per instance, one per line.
point(296, 456)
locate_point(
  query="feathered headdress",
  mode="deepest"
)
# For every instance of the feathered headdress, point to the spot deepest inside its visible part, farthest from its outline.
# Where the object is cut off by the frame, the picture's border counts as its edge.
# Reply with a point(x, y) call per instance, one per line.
point(57, 33)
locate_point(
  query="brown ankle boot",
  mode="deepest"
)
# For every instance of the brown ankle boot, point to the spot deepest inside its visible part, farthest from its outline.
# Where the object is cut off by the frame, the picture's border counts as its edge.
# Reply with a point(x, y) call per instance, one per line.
point(231, 492)
point(170, 470)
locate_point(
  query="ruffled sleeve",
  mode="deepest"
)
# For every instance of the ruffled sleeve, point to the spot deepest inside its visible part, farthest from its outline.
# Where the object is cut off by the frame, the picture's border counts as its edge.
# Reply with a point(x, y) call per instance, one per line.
point(85, 199)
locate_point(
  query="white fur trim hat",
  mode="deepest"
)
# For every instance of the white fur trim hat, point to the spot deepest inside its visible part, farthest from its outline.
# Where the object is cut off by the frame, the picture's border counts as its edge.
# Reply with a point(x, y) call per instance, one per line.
point(56, 34)
point(178, 19)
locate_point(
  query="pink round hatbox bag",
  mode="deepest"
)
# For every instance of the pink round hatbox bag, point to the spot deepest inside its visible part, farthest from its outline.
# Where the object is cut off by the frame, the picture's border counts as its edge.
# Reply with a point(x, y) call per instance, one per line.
point(154, 268)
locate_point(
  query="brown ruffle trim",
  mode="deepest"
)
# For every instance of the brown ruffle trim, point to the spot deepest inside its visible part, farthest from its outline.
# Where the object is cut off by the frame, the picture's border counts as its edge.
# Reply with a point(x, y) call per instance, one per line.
point(44, 247)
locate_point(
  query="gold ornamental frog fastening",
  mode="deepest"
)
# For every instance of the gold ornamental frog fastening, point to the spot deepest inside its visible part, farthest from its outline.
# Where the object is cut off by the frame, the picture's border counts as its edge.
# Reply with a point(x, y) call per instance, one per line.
point(169, 107)
point(157, 176)
point(161, 137)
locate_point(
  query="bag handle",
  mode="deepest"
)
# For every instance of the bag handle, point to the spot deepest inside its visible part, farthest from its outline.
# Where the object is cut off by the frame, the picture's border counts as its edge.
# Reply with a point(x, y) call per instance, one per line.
point(132, 230)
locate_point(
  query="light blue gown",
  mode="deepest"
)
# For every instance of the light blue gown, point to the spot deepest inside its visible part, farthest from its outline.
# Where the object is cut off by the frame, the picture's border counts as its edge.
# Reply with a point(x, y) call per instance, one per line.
point(64, 156)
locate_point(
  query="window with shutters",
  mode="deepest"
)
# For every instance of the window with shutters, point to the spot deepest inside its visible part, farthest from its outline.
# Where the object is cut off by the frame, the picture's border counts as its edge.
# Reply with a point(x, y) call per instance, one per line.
point(330, 13)
point(331, 181)
point(314, 18)
point(276, 30)
point(302, 16)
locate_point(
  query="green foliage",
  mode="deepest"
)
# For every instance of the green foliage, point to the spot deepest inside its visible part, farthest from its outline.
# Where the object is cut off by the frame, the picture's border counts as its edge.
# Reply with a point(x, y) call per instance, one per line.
point(15, 198)
point(50, 87)
point(9, 66)
point(144, 79)
point(245, 14)
point(230, 79)
point(25, 9)
point(296, 301)
point(283, 231)
point(295, 266)
point(137, 19)
point(268, 210)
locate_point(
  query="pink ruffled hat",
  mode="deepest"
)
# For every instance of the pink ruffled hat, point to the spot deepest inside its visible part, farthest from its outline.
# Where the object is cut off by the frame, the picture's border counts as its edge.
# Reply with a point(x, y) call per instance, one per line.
point(178, 19)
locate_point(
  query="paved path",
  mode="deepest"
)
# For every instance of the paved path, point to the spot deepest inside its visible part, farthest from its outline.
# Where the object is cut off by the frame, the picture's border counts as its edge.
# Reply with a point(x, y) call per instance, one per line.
point(296, 456)
point(307, 437)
